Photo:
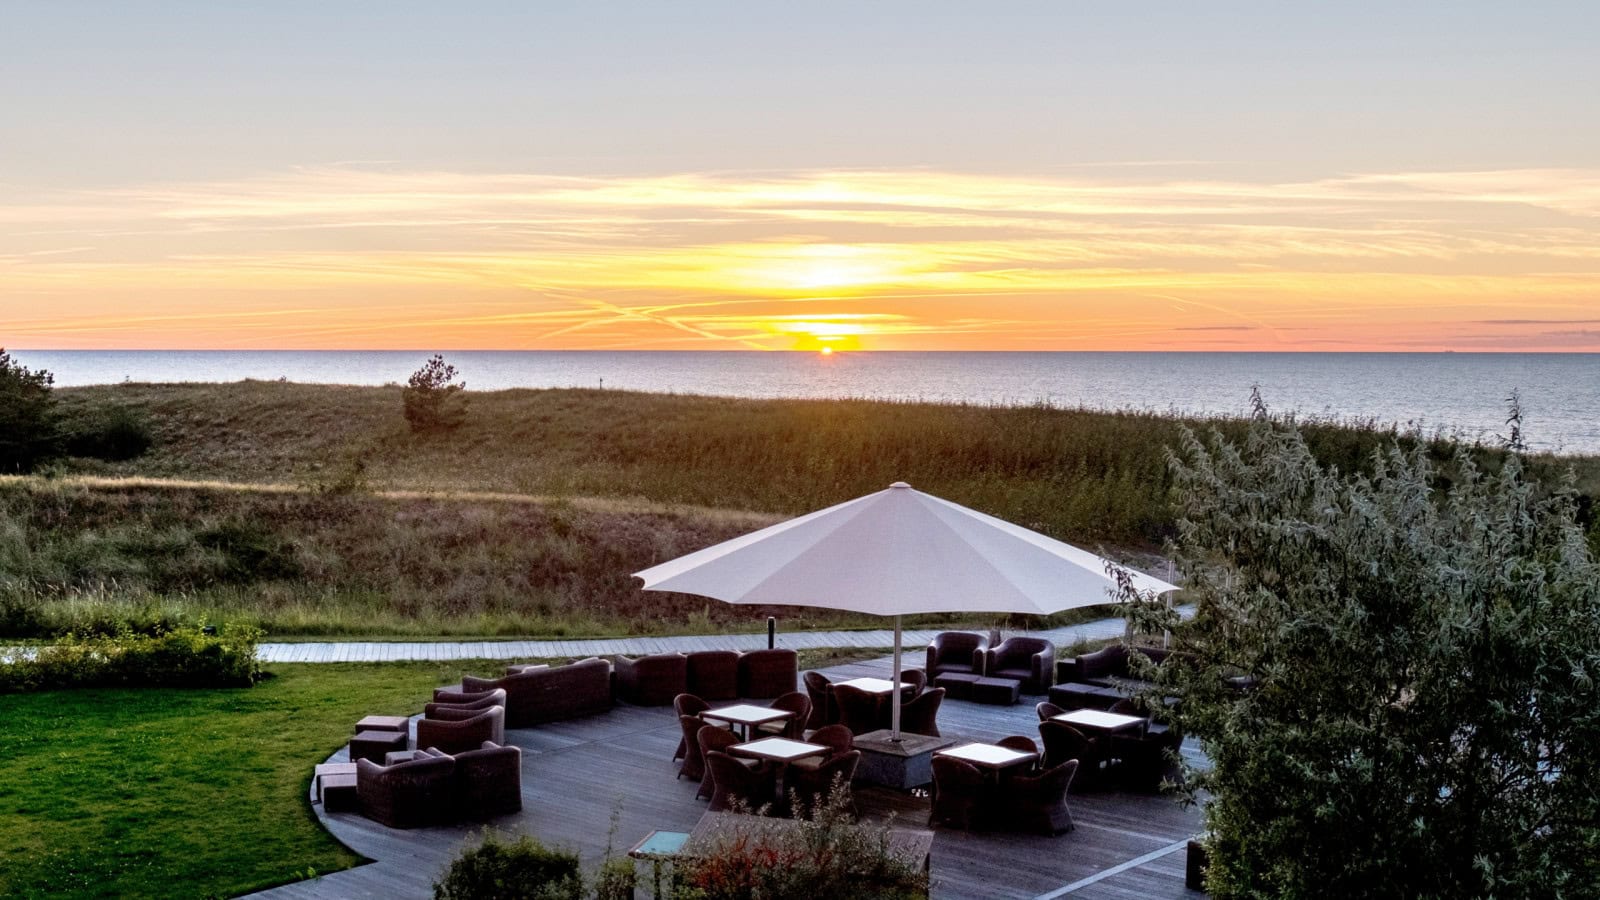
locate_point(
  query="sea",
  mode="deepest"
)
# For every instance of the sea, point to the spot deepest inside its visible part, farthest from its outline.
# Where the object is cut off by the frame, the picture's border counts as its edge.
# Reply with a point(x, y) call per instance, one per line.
point(1460, 394)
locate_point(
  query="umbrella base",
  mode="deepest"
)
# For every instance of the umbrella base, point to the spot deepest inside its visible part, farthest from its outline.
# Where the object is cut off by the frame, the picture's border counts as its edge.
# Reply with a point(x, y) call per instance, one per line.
point(901, 765)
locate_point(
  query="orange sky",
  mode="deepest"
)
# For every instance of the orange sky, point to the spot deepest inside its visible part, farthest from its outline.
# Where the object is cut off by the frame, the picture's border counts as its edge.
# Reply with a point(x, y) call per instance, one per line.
point(1108, 257)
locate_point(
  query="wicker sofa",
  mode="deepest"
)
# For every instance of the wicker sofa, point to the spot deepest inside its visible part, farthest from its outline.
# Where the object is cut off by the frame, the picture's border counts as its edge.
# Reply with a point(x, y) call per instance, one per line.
point(452, 730)
point(550, 694)
point(766, 674)
point(651, 680)
point(436, 788)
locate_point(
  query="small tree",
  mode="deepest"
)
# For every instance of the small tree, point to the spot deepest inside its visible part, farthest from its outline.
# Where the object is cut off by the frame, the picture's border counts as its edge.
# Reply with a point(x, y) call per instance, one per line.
point(28, 433)
point(1394, 677)
point(433, 400)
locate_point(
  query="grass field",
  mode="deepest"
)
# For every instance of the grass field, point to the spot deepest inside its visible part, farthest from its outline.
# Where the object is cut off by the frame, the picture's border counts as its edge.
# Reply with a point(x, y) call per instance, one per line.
point(312, 511)
point(194, 793)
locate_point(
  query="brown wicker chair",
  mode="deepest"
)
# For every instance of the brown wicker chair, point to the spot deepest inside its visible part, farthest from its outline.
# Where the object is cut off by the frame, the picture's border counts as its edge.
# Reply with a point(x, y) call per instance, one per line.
point(489, 781)
point(956, 651)
point(409, 794)
point(714, 674)
point(651, 680)
point(859, 711)
point(1046, 709)
point(551, 694)
point(1031, 661)
point(1062, 742)
point(809, 786)
point(1143, 760)
point(712, 737)
point(686, 705)
point(764, 674)
point(836, 737)
point(459, 700)
point(1039, 802)
point(917, 679)
point(822, 711)
point(454, 730)
point(921, 716)
point(793, 727)
point(1021, 743)
point(694, 765)
point(731, 779)
point(961, 796)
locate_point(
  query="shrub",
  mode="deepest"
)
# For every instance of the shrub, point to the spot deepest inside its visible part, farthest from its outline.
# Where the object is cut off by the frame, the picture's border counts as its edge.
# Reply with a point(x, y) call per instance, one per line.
point(27, 416)
point(111, 433)
point(195, 657)
point(1424, 658)
point(432, 400)
point(828, 855)
point(523, 869)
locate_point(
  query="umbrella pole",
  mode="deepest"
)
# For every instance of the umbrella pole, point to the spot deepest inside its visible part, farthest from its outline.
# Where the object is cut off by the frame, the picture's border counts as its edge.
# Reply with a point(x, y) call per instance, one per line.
point(894, 716)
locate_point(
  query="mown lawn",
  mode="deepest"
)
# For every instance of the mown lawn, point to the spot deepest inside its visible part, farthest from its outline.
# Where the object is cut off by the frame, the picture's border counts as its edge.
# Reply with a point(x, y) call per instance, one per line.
point(184, 793)
point(195, 793)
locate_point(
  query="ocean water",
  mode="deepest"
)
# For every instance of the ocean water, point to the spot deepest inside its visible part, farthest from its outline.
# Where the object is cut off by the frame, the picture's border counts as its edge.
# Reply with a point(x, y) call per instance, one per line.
point(1460, 393)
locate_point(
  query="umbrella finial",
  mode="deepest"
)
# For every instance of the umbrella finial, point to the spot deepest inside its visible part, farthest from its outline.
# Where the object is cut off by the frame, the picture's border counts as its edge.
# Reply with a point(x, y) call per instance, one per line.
point(900, 484)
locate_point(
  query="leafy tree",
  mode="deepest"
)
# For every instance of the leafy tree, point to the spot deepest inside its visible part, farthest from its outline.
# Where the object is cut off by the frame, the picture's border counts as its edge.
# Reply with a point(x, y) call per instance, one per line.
point(27, 416)
point(432, 398)
point(1413, 707)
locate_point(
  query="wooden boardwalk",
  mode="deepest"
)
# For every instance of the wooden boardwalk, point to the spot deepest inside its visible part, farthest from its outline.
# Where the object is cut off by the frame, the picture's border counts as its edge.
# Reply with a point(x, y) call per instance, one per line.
point(580, 777)
point(390, 651)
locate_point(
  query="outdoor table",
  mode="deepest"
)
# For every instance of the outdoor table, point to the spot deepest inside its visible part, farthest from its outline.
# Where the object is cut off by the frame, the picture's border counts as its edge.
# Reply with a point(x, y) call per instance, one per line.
point(871, 685)
point(990, 758)
point(1101, 722)
point(780, 750)
point(747, 716)
point(656, 847)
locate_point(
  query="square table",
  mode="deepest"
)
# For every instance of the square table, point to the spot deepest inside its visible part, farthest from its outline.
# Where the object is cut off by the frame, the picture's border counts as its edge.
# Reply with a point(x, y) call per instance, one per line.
point(1101, 722)
point(747, 716)
point(872, 685)
point(780, 750)
point(989, 756)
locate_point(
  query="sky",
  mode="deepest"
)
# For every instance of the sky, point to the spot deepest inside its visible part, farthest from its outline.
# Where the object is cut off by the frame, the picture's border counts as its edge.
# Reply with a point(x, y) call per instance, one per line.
point(884, 176)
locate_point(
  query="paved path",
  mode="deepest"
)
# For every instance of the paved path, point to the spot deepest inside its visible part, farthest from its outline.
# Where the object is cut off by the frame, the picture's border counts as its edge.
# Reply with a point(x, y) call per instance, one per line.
point(371, 651)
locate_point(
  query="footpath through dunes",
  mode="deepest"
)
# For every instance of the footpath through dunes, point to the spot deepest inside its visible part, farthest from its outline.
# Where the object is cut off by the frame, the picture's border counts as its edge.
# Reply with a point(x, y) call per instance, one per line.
point(395, 651)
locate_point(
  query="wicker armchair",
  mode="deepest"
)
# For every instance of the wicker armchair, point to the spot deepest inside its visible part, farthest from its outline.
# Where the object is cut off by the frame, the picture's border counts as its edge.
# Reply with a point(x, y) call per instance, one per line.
point(1031, 661)
point(1062, 742)
point(731, 779)
point(489, 781)
point(810, 786)
point(694, 765)
point(551, 694)
point(793, 727)
point(835, 737)
point(711, 737)
point(859, 711)
point(1039, 802)
point(1046, 709)
point(1022, 744)
point(409, 794)
point(764, 674)
point(457, 730)
point(1143, 760)
point(921, 716)
point(916, 681)
point(956, 651)
point(443, 699)
point(961, 796)
point(651, 680)
point(686, 705)
point(714, 674)
point(822, 711)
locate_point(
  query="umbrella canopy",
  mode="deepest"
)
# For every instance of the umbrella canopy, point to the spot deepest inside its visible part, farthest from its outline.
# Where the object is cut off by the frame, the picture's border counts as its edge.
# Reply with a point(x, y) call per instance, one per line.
point(896, 552)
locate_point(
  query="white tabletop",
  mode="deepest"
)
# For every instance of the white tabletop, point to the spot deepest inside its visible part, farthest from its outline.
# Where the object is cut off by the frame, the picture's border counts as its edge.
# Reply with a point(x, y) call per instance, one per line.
point(781, 749)
point(872, 685)
point(747, 714)
point(990, 755)
point(1094, 718)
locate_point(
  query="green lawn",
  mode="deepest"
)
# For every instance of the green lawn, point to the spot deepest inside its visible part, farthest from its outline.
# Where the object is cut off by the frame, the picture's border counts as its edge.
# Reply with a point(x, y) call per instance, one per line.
point(194, 793)
point(184, 793)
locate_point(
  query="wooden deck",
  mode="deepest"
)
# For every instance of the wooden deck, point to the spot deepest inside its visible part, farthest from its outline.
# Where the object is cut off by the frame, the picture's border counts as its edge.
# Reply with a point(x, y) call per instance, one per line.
point(580, 776)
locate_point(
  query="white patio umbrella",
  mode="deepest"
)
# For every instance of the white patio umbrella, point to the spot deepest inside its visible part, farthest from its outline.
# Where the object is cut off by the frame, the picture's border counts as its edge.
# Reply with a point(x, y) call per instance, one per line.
point(893, 553)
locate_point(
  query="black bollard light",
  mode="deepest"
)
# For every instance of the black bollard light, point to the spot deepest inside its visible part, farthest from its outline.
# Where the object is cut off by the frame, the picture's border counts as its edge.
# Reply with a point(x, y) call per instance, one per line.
point(772, 632)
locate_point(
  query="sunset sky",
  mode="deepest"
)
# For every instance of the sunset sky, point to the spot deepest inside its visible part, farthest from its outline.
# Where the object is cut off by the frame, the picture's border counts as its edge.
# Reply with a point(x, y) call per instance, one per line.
point(1061, 175)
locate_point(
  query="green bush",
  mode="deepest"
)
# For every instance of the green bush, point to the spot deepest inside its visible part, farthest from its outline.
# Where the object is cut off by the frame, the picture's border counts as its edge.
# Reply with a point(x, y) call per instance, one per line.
point(194, 657)
point(28, 433)
point(523, 869)
point(111, 433)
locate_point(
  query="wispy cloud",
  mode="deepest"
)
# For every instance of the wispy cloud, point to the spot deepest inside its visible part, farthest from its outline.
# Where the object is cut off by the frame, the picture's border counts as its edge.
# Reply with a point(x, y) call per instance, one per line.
point(363, 255)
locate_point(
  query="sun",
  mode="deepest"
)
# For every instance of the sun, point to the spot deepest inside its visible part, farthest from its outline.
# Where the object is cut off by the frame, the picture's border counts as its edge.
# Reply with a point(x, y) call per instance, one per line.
point(826, 350)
